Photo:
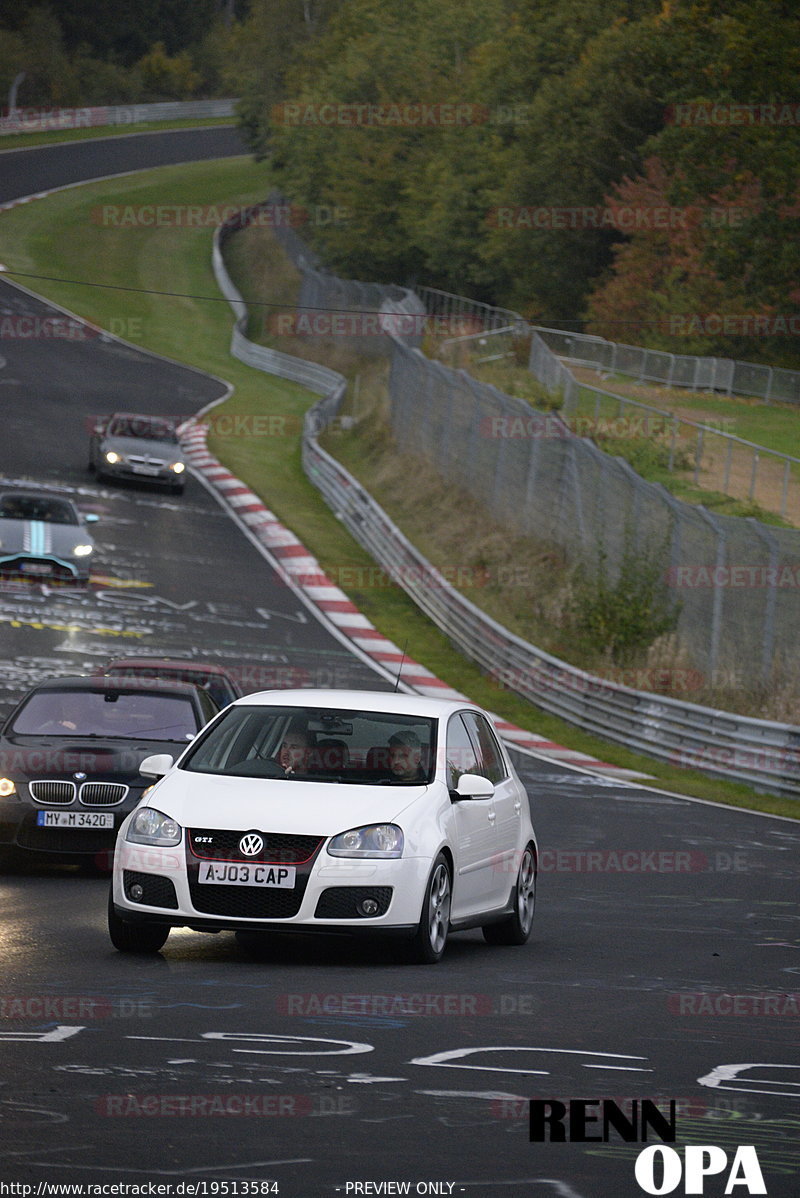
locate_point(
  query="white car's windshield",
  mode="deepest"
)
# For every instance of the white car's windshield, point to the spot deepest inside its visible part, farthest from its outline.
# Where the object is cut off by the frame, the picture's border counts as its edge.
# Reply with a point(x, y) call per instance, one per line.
point(317, 745)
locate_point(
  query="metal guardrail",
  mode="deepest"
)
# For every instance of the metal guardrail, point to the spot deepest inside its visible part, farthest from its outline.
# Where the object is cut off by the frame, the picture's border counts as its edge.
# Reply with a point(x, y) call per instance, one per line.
point(312, 375)
point(725, 375)
point(549, 369)
point(754, 379)
point(761, 753)
point(37, 120)
point(764, 754)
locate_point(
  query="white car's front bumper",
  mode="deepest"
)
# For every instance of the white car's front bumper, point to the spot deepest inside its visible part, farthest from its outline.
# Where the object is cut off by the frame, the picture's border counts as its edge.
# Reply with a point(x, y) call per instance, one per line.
point(327, 884)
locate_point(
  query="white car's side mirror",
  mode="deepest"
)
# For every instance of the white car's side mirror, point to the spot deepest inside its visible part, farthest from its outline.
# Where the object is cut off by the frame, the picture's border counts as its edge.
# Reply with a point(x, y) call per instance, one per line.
point(156, 766)
point(473, 786)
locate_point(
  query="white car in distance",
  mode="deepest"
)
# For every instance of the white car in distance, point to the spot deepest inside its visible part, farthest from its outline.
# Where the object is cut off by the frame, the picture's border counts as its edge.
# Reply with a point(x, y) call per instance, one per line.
point(327, 810)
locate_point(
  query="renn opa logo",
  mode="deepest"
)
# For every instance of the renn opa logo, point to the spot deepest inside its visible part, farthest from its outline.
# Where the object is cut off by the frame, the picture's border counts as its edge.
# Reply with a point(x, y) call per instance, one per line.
point(659, 1168)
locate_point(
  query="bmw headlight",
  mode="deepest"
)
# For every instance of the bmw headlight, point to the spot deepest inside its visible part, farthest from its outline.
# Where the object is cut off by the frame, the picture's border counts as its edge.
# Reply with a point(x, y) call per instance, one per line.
point(177, 467)
point(375, 840)
point(7, 788)
point(82, 550)
point(112, 457)
point(149, 826)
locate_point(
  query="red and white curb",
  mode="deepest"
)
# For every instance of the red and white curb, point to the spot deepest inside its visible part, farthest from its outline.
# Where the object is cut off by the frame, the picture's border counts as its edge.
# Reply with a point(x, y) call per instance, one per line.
point(304, 572)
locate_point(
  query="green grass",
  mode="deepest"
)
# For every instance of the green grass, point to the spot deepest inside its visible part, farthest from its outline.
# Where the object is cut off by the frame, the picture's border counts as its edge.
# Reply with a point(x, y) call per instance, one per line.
point(774, 426)
point(24, 141)
point(56, 237)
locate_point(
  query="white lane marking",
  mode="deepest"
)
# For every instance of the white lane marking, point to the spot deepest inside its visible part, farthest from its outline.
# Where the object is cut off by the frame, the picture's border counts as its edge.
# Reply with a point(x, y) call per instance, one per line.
point(299, 1160)
point(727, 1073)
point(489, 1095)
point(444, 1059)
point(283, 1045)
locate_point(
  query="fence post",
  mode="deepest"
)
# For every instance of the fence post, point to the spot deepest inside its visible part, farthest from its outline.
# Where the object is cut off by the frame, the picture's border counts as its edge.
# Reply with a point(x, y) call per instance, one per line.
point(768, 391)
point(673, 439)
point(531, 477)
point(698, 454)
point(753, 475)
point(717, 605)
point(728, 457)
point(768, 626)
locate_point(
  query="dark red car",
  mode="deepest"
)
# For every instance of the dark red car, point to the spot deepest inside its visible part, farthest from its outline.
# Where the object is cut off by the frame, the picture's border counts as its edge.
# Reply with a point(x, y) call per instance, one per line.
point(215, 680)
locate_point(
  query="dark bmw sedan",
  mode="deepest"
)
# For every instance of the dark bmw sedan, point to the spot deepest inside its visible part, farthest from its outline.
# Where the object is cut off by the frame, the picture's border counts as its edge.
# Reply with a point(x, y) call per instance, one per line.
point(70, 754)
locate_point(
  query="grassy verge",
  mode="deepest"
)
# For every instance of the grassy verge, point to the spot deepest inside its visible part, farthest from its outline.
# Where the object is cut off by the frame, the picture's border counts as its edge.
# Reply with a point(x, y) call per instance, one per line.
point(774, 427)
point(24, 141)
point(56, 236)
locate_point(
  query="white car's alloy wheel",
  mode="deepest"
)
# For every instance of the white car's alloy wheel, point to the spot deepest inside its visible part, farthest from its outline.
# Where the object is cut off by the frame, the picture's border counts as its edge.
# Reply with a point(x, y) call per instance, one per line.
point(517, 927)
point(430, 940)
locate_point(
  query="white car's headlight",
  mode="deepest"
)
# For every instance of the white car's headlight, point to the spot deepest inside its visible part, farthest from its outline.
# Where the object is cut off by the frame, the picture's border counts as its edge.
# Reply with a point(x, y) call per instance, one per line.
point(178, 467)
point(112, 457)
point(375, 840)
point(149, 826)
point(82, 550)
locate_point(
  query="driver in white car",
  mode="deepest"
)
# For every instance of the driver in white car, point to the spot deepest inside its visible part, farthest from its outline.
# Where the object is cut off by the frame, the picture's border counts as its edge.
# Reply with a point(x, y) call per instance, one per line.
point(405, 757)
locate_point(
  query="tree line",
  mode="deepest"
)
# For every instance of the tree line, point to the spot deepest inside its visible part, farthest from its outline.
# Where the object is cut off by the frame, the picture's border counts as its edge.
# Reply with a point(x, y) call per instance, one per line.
point(625, 167)
point(74, 54)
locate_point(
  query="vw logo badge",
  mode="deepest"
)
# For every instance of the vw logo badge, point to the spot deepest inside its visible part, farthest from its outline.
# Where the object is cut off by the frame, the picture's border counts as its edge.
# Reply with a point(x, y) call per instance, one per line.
point(80, 776)
point(251, 844)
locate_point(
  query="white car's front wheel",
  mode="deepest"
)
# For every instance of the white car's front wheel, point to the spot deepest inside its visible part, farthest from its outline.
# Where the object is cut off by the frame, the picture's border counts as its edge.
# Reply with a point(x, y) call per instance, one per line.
point(135, 937)
point(430, 939)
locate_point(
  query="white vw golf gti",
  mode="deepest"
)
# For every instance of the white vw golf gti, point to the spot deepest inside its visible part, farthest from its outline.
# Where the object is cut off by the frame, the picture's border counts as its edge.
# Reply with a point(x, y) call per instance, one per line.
point(327, 810)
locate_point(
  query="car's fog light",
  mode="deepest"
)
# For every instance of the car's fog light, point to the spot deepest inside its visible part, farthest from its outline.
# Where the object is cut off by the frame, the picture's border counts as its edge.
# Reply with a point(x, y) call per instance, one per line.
point(136, 892)
point(367, 906)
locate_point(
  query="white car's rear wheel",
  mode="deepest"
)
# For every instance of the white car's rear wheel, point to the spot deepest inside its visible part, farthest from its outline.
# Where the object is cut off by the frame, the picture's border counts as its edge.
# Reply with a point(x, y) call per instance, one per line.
point(517, 928)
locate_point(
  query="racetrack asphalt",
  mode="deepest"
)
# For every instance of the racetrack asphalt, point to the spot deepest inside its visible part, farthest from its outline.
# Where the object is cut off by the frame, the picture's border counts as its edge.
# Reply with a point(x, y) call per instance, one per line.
point(663, 964)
